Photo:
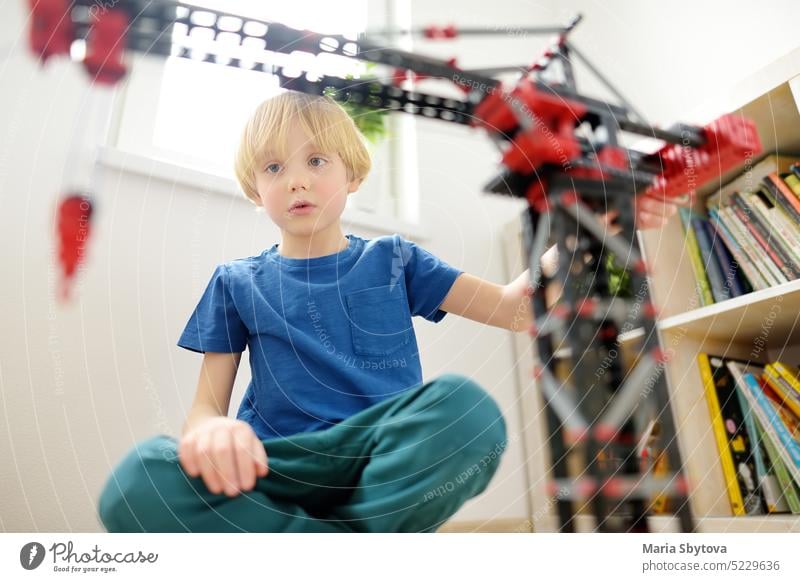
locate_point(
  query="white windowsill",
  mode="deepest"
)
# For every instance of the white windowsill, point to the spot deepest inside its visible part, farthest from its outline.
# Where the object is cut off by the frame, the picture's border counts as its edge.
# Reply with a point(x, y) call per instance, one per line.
point(174, 173)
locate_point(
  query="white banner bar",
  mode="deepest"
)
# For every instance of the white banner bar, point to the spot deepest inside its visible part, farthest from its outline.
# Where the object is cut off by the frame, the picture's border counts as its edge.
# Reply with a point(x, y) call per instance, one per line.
point(399, 557)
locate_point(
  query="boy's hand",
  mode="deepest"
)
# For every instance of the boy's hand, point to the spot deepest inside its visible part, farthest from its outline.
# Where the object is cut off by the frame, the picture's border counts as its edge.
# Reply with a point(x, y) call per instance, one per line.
point(651, 212)
point(226, 453)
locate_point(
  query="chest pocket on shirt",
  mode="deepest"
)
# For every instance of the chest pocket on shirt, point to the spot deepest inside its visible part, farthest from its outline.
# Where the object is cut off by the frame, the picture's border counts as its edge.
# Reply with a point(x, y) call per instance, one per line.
point(379, 320)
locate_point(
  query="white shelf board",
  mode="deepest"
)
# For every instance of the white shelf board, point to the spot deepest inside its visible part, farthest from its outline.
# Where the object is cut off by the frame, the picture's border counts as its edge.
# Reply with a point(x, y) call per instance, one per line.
point(778, 306)
point(776, 523)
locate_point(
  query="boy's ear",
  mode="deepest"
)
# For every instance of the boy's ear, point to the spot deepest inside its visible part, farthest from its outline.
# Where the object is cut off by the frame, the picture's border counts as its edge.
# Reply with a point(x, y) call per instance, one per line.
point(354, 185)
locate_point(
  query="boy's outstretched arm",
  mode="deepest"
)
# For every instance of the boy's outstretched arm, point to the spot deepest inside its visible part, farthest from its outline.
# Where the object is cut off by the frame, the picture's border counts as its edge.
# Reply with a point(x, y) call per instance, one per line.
point(506, 306)
point(509, 306)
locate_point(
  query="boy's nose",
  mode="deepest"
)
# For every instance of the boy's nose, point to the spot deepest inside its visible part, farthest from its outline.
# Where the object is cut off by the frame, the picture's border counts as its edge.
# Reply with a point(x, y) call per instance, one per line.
point(297, 183)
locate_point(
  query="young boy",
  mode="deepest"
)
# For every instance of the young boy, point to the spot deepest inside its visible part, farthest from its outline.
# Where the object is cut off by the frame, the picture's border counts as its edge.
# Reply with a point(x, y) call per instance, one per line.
point(337, 431)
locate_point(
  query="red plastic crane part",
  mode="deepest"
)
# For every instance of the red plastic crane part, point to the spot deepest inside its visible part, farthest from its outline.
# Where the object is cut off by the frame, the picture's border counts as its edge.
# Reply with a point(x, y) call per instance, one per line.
point(105, 47)
point(73, 228)
point(550, 137)
point(50, 31)
point(730, 141)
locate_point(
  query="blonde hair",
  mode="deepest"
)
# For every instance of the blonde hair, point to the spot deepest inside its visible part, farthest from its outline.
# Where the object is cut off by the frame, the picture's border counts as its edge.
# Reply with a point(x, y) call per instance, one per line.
point(324, 120)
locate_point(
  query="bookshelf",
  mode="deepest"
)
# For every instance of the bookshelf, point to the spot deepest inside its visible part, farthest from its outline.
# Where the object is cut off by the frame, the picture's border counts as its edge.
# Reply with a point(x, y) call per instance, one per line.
point(765, 322)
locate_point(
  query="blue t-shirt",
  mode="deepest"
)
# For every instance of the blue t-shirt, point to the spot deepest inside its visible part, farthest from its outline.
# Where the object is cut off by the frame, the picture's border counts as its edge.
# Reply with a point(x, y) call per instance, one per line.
point(328, 336)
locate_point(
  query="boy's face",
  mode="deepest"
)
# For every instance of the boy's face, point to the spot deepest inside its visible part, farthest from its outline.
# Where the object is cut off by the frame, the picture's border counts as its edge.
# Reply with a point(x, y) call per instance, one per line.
point(309, 174)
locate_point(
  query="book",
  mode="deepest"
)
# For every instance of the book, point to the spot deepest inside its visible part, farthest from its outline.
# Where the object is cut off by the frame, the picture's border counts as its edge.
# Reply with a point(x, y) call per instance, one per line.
point(783, 196)
point(701, 279)
point(716, 279)
point(754, 278)
point(759, 224)
point(789, 396)
point(750, 180)
point(766, 236)
point(793, 182)
point(765, 473)
point(787, 494)
point(730, 432)
point(789, 373)
point(795, 169)
point(765, 251)
point(786, 416)
point(730, 268)
point(778, 220)
point(787, 447)
point(752, 249)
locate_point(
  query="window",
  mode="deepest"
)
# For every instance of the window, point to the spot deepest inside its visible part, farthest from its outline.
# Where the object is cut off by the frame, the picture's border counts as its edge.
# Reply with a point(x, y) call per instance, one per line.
point(191, 113)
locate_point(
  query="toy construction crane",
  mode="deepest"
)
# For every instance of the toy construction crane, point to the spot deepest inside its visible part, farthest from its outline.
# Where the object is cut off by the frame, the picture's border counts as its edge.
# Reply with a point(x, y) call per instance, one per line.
point(560, 151)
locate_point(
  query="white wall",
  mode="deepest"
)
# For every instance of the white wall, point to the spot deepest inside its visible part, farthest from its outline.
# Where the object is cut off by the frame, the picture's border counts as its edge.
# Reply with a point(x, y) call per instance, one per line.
point(80, 384)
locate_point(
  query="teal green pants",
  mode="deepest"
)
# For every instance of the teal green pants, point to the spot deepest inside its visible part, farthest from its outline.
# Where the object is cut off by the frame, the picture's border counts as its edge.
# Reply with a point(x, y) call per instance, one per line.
point(403, 465)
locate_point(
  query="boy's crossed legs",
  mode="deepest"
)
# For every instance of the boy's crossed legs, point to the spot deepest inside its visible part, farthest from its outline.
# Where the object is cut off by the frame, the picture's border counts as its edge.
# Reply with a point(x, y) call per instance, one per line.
point(403, 465)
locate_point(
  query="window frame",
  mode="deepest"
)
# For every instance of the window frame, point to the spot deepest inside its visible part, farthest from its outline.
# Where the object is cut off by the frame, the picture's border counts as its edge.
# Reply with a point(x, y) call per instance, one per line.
point(390, 193)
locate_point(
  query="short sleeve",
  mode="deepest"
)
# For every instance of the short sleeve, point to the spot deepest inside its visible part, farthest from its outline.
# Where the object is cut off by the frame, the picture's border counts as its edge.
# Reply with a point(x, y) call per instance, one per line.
point(428, 279)
point(215, 325)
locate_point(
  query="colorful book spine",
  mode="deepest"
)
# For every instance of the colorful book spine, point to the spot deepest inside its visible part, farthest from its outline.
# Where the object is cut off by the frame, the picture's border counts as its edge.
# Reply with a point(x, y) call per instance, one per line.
point(782, 387)
point(788, 448)
point(757, 254)
point(754, 277)
point(788, 418)
point(702, 285)
point(725, 458)
point(793, 182)
point(786, 228)
point(789, 373)
point(778, 221)
point(716, 279)
point(770, 488)
point(783, 196)
point(766, 236)
point(733, 440)
point(787, 495)
point(725, 260)
point(765, 244)
point(795, 169)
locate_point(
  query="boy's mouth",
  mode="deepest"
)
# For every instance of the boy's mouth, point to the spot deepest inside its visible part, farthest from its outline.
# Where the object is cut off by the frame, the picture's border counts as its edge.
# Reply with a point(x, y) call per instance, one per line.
point(301, 207)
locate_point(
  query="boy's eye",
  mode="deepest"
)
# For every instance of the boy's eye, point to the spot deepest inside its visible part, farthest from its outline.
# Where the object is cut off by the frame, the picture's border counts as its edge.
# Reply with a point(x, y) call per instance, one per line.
point(317, 162)
point(273, 168)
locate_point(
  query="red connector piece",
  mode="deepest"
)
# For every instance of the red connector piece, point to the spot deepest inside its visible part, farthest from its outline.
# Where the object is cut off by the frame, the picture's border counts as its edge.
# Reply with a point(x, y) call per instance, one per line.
point(660, 356)
point(537, 195)
point(73, 227)
point(399, 76)
point(607, 333)
point(605, 432)
point(51, 31)
point(613, 487)
point(106, 46)
point(650, 310)
point(440, 32)
point(586, 308)
point(730, 140)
